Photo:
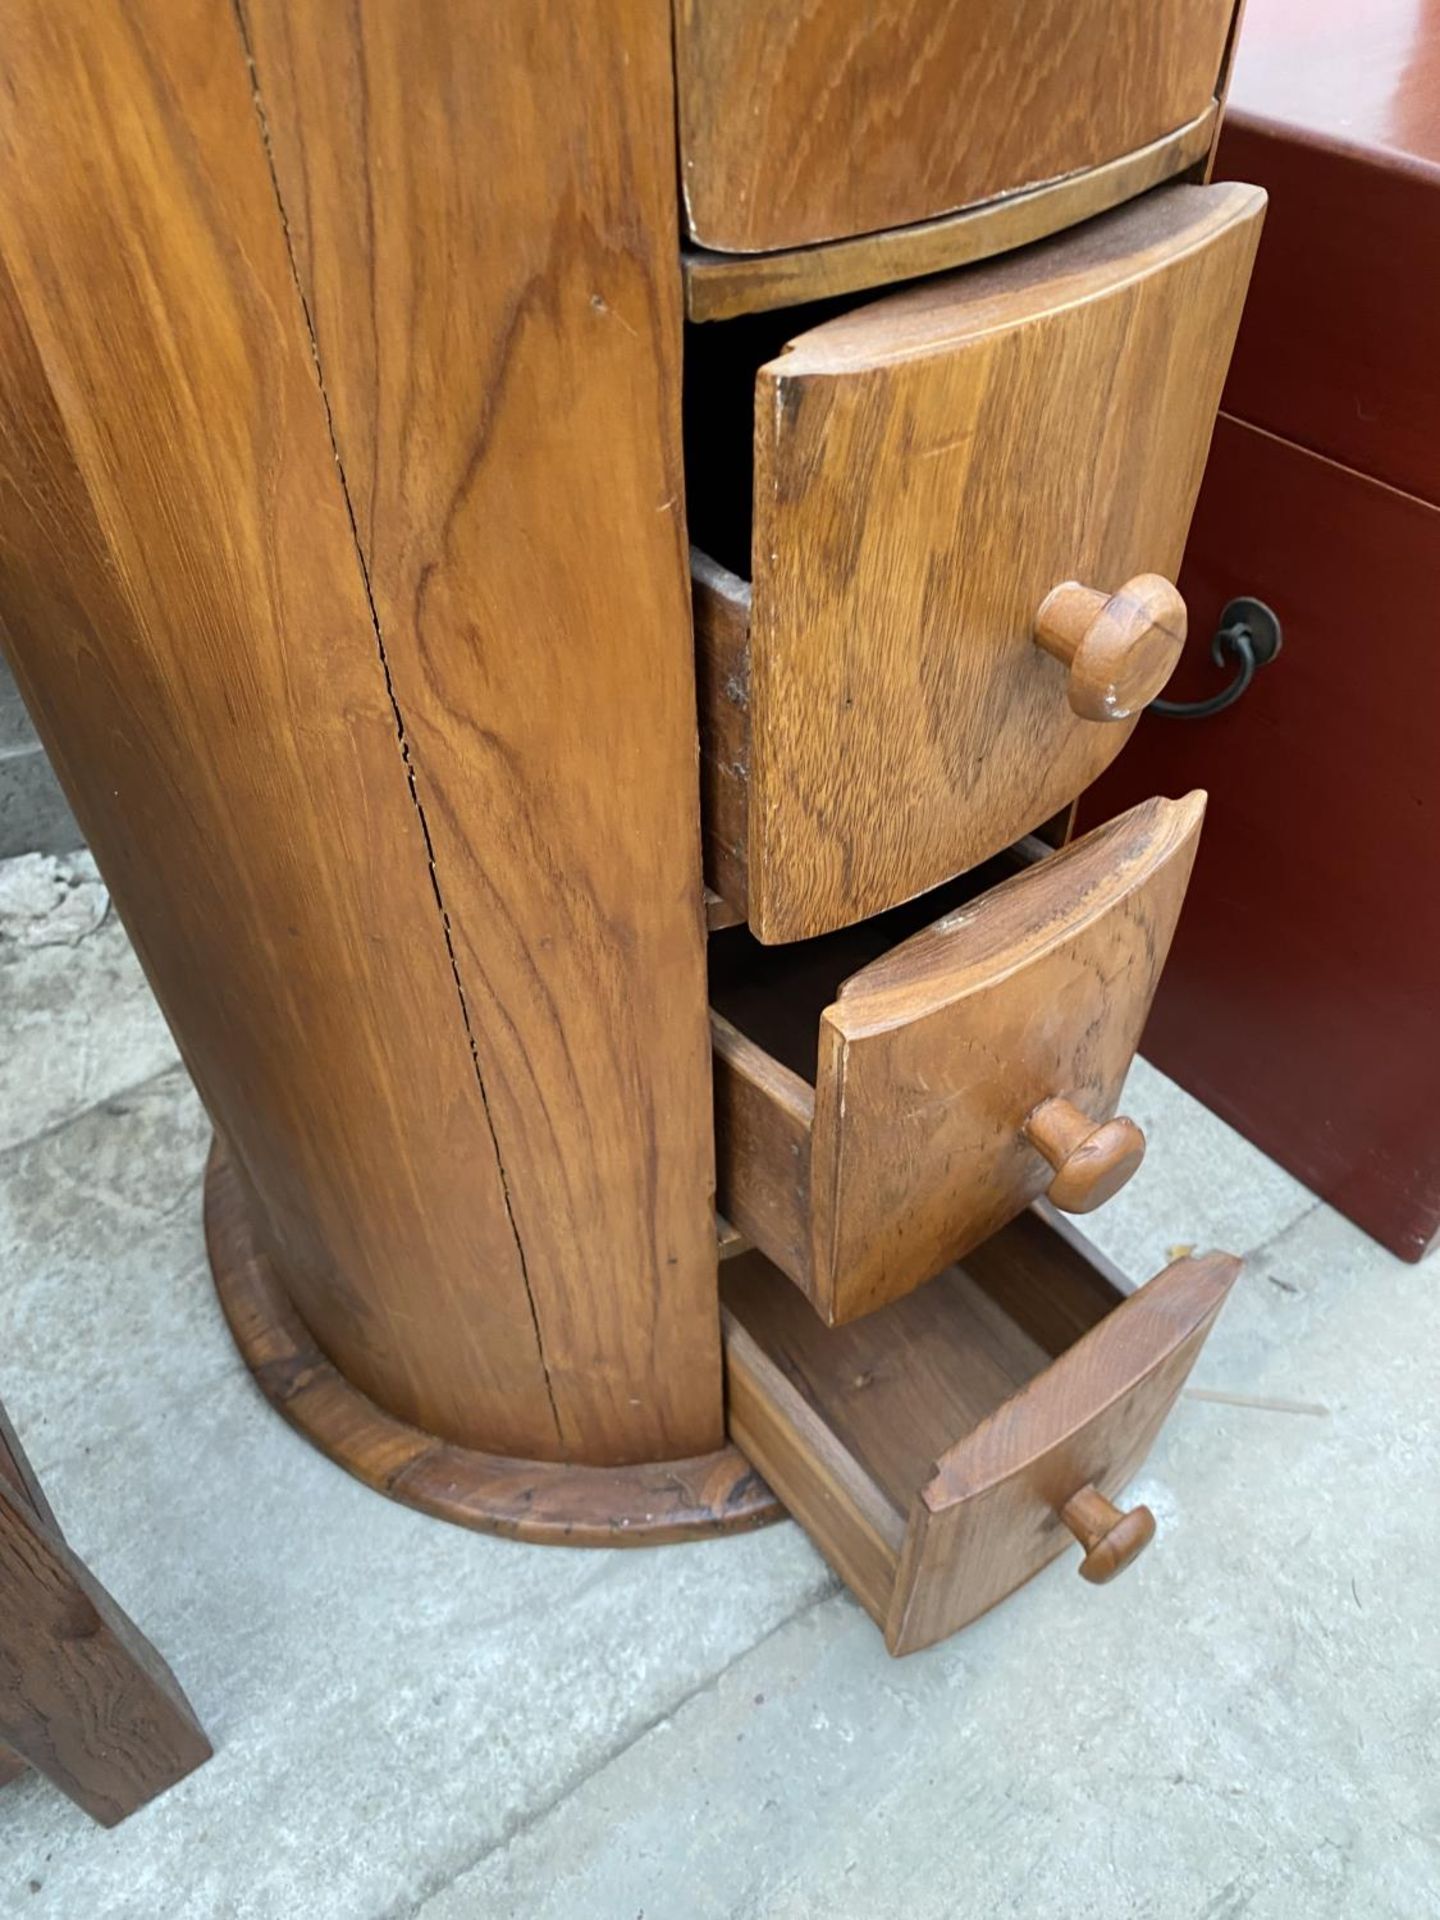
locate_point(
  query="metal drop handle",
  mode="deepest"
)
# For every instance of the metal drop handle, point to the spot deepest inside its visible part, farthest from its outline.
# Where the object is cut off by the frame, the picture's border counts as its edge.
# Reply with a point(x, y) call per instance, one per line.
point(1250, 633)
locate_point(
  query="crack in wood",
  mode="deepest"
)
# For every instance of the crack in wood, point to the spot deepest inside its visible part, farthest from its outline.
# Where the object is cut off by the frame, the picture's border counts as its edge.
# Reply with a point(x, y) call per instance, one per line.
point(396, 711)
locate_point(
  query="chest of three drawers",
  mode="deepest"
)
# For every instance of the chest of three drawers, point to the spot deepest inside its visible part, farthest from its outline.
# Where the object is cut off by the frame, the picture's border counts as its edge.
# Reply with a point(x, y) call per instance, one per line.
point(934, 534)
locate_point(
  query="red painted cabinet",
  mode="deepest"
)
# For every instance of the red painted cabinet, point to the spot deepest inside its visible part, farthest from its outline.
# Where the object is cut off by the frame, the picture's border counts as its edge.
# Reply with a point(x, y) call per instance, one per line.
point(1302, 998)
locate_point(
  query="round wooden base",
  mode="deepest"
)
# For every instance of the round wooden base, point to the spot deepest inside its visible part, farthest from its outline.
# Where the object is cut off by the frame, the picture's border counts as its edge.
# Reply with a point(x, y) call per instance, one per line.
point(534, 1500)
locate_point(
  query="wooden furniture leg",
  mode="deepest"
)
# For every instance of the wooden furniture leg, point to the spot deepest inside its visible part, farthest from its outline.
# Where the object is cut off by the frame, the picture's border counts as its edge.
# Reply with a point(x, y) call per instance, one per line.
point(84, 1698)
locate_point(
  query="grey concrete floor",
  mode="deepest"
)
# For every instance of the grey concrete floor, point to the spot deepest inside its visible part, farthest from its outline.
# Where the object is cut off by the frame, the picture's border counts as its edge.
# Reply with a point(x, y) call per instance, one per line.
point(415, 1721)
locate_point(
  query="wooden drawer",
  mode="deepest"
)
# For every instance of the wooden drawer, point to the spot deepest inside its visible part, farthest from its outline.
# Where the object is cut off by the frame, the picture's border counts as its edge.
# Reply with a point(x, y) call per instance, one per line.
point(880, 1108)
point(946, 1449)
point(932, 108)
point(911, 678)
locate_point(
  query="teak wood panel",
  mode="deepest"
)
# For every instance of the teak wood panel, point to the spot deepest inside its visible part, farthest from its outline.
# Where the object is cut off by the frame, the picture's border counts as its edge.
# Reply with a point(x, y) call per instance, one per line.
point(182, 602)
point(388, 763)
point(930, 1449)
point(908, 1147)
point(927, 469)
point(482, 203)
point(805, 123)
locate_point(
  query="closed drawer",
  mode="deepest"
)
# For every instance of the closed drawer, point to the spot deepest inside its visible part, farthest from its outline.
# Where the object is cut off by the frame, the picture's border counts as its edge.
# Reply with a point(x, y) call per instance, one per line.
point(874, 1121)
point(943, 1451)
point(931, 108)
point(968, 502)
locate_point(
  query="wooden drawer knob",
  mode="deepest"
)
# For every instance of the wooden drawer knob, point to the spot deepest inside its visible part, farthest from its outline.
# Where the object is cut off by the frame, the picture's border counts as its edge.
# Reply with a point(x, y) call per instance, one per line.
point(1111, 1539)
point(1092, 1160)
point(1120, 648)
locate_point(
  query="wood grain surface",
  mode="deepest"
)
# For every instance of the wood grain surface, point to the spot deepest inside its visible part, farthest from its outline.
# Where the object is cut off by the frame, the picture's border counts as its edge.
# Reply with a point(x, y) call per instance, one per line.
point(896, 1390)
point(16, 1468)
point(84, 1698)
point(721, 603)
point(927, 469)
point(909, 1144)
point(990, 1517)
point(543, 1502)
point(802, 123)
point(482, 210)
point(764, 1126)
point(718, 286)
point(930, 1449)
point(187, 618)
point(388, 764)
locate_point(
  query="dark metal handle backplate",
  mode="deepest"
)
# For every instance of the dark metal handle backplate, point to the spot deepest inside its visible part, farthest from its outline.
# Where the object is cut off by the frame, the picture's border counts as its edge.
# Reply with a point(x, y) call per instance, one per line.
point(1249, 634)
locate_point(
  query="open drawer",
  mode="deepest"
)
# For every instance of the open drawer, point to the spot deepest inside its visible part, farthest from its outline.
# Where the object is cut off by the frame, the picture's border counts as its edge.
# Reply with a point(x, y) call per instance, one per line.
point(946, 1449)
point(880, 1107)
point(967, 505)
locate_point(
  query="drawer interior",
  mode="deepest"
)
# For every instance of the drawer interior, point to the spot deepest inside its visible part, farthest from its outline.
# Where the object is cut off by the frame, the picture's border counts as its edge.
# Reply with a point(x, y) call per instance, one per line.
point(889, 1094)
point(897, 1389)
point(931, 1447)
point(934, 538)
point(776, 995)
point(722, 360)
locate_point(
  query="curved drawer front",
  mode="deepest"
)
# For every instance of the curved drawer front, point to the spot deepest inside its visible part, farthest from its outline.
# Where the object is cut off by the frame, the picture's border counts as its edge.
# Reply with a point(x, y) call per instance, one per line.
point(947, 1448)
point(891, 707)
point(912, 1125)
point(805, 123)
point(993, 1513)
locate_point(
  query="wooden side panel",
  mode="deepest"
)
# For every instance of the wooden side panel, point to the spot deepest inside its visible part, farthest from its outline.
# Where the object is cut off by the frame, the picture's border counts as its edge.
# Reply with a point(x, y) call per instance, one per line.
point(800, 124)
point(181, 597)
point(827, 1491)
point(721, 602)
point(1053, 1282)
point(933, 1057)
point(481, 204)
point(989, 1519)
point(927, 469)
point(763, 1117)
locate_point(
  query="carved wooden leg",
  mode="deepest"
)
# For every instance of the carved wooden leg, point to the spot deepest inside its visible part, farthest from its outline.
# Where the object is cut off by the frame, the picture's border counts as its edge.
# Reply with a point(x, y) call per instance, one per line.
point(84, 1698)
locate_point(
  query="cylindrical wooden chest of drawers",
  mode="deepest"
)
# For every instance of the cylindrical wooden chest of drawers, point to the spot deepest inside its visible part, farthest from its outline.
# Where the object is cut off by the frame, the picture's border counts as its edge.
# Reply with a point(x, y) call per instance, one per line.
point(436, 630)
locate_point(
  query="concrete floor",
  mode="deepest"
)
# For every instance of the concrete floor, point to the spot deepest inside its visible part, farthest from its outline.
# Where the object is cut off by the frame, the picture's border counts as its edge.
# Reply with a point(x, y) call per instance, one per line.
point(415, 1721)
